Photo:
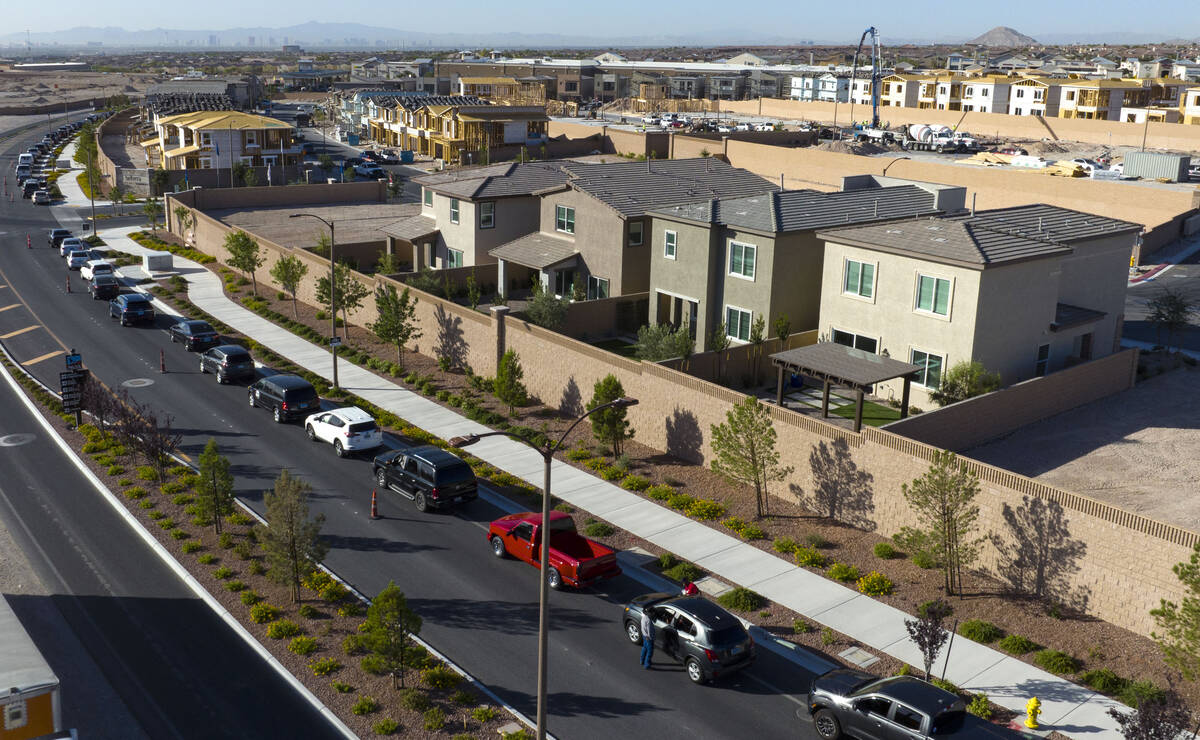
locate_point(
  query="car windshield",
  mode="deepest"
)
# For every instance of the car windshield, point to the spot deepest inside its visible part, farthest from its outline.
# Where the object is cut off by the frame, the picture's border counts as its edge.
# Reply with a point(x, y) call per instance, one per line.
point(728, 636)
point(454, 474)
point(300, 394)
point(359, 427)
point(565, 524)
point(136, 300)
point(104, 280)
point(200, 327)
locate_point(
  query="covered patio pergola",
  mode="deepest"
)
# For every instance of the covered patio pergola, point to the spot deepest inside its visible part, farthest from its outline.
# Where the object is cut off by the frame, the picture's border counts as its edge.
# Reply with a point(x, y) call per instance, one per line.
point(837, 364)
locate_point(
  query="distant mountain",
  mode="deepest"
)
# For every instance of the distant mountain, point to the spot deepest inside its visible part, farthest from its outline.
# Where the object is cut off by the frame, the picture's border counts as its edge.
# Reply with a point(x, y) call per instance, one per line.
point(1003, 36)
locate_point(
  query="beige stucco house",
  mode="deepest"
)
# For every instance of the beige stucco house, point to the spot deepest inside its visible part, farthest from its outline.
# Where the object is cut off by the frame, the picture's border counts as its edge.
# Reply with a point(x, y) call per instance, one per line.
point(1025, 291)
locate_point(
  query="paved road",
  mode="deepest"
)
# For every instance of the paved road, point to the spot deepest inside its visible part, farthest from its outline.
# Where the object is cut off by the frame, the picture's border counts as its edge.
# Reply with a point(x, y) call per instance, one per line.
point(478, 610)
point(1183, 278)
point(138, 654)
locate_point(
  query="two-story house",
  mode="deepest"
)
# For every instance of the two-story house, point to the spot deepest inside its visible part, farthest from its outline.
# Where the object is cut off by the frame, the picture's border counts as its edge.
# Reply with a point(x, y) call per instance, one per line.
point(986, 94)
point(1025, 291)
point(467, 212)
point(825, 87)
point(1034, 96)
point(734, 260)
point(1189, 106)
point(940, 92)
point(218, 139)
point(900, 90)
point(592, 236)
point(1101, 99)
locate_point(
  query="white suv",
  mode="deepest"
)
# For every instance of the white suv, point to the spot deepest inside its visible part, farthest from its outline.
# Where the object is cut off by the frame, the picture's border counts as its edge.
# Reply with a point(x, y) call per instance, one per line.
point(348, 429)
point(95, 267)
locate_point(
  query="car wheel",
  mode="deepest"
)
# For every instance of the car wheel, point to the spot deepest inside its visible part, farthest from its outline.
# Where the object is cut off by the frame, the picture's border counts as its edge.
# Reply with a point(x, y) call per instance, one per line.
point(204, 370)
point(633, 632)
point(498, 548)
point(251, 397)
point(220, 378)
point(312, 435)
point(694, 671)
point(827, 725)
point(174, 340)
point(421, 502)
point(277, 416)
point(381, 478)
point(338, 449)
point(554, 578)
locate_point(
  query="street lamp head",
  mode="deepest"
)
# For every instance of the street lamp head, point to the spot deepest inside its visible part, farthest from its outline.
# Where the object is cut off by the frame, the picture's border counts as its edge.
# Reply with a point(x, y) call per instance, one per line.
point(623, 403)
point(464, 441)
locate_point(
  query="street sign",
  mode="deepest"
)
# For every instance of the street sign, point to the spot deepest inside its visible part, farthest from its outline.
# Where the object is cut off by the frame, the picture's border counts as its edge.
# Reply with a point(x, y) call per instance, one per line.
point(335, 341)
point(70, 385)
point(74, 361)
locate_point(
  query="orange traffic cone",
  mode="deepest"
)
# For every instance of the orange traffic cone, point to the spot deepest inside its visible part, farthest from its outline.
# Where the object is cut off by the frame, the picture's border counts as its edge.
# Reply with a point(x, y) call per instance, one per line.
point(374, 507)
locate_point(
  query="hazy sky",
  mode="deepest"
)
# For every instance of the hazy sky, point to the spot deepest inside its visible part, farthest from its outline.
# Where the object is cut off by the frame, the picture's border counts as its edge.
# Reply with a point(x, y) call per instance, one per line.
point(801, 20)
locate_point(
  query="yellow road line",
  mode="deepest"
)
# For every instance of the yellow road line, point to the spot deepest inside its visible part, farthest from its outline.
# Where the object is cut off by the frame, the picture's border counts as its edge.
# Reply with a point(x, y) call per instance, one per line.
point(19, 332)
point(10, 307)
point(46, 356)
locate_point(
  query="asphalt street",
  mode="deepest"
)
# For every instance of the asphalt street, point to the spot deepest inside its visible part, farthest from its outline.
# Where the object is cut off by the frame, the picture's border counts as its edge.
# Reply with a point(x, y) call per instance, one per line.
point(478, 610)
point(1183, 278)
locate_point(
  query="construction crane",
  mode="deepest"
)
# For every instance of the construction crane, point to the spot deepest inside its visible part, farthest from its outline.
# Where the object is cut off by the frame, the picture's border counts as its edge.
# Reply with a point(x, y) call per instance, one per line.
point(876, 60)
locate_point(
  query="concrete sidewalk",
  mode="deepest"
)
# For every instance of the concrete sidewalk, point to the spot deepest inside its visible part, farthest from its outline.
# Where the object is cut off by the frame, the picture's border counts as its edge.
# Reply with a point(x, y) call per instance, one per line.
point(1073, 710)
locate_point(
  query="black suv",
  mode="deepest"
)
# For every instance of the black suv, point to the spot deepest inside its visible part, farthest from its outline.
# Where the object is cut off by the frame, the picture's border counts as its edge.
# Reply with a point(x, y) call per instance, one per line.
point(709, 641)
point(288, 396)
point(228, 361)
point(131, 308)
point(845, 702)
point(430, 476)
point(57, 235)
point(104, 286)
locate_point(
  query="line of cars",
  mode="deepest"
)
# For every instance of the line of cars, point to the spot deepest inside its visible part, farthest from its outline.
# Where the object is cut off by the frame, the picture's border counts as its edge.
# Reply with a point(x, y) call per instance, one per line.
point(36, 164)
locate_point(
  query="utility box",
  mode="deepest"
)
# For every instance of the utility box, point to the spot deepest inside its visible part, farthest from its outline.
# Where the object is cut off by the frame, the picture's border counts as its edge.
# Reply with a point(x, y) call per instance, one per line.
point(156, 261)
point(1154, 166)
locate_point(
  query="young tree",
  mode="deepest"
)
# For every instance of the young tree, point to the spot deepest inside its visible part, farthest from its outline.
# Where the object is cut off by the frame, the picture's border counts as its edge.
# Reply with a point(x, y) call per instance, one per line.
point(250, 177)
point(1170, 312)
point(509, 385)
point(609, 426)
point(758, 331)
point(288, 272)
point(291, 539)
point(945, 498)
point(473, 292)
point(116, 195)
point(244, 254)
point(389, 628)
point(388, 263)
point(350, 292)
point(159, 179)
point(685, 344)
point(1178, 625)
point(397, 322)
point(547, 311)
point(928, 633)
point(964, 380)
point(1159, 718)
point(719, 342)
point(238, 172)
point(659, 342)
point(153, 209)
point(142, 430)
point(783, 330)
point(326, 163)
point(745, 450)
point(183, 218)
point(214, 485)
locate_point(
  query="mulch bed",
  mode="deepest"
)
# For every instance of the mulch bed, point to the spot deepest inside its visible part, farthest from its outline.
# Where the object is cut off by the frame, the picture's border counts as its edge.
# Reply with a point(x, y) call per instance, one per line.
point(1095, 643)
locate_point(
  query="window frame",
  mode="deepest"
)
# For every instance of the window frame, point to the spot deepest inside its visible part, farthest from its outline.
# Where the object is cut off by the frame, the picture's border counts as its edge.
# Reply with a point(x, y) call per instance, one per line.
point(857, 293)
point(746, 248)
point(749, 322)
point(1041, 365)
point(641, 233)
point(487, 208)
point(854, 337)
point(924, 374)
point(593, 288)
point(670, 244)
point(455, 210)
point(932, 310)
point(426, 198)
point(564, 219)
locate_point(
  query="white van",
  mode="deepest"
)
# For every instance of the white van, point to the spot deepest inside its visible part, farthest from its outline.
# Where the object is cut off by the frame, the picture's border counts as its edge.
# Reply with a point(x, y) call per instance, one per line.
point(25, 159)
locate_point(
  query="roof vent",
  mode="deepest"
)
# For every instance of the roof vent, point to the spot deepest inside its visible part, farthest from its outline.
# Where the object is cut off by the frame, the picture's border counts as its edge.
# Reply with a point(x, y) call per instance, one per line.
point(938, 239)
point(934, 228)
point(894, 231)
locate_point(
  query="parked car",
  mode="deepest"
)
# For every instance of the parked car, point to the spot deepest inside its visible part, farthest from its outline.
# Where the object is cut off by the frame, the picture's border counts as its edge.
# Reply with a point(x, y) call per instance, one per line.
point(227, 362)
point(351, 162)
point(709, 641)
point(372, 171)
point(131, 308)
point(348, 429)
point(432, 477)
point(650, 120)
point(370, 156)
point(287, 396)
point(194, 334)
point(70, 244)
point(104, 287)
point(41, 197)
point(1118, 168)
point(845, 702)
point(1013, 150)
point(92, 268)
point(76, 259)
point(387, 156)
point(574, 559)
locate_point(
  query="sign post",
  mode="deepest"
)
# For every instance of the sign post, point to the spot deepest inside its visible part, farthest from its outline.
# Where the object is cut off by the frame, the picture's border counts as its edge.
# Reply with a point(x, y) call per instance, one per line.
point(70, 385)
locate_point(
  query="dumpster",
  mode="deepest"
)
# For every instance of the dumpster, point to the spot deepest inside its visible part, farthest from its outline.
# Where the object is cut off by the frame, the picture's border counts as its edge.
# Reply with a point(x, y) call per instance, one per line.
point(406, 156)
point(352, 139)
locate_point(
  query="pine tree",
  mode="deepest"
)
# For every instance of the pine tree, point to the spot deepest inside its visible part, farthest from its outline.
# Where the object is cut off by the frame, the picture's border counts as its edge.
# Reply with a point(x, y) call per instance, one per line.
point(745, 450)
point(214, 485)
point(389, 629)
point(291, 539)
point(609, 426)
point(944, 497)
point(509, 385)
point(244, 254)
point(397, 318)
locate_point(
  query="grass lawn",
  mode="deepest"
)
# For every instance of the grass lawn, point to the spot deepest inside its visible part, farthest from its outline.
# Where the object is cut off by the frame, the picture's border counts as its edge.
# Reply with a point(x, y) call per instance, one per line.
point(874, 414)
point(618, 347)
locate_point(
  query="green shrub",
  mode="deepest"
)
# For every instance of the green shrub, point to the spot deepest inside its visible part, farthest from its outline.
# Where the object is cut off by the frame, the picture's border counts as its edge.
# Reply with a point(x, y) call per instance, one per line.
point(135, 492)
point(828, 636)
point(1055, 661)
point(843, 572)
point(610, 473)
point(145, 472)
point(463, 698)
point(206, 559)
point(171, 487)
point(633, 482)
point(149, 504)
point(225, 541)
point(283, 628)
point(884, 550)
point(262, 613)
point(334, 593)
point(440, 677)
point(742, 600)
point(302, 645)
point(785, 545)
point(435, 719)
point(680, 501)
point(223, 573)
point(167, 523)
point(235, 586)
point(179, 534)
point(308, 611)
point(667, 560)
point(1017, 644)
point(243, 550)
point(683, 572)
point(924, 607)
point(341, 687)
point(125, 482)
point(350, 609)
point(1103, 680)
point(980, 631)
point(184, 499)
point(944, 685)
point(810, 557)
point(924, 560)
point(705, 509)
point(239, 518)
point(250, 598)
point(801, 627)
point(365, 705)
point(256, 568)
point(1135, 693)
point(352, 644)
point(905, 670)
point(115, 469)
point(192, 546)
point(485, 713)
point(735, 523)
point(324, 666)
point(579, 454)
point(386, 726)
point(752, 532)
point(374, 665)
point(598, 529)
point(564, 507)
point(413, 699)
point(659, 492)
point(875, 584)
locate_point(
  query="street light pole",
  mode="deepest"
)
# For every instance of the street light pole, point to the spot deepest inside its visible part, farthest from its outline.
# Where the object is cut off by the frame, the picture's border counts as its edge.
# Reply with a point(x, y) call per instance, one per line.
point(547, 453)
point(333, 344)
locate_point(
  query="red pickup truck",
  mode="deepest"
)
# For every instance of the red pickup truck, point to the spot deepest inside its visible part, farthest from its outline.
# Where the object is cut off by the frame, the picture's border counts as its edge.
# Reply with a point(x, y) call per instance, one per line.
point(574, 560)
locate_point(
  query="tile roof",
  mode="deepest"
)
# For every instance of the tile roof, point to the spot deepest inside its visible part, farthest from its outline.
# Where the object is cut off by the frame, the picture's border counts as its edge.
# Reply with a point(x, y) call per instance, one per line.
point(535, 250)
point(633, 188)
point(218, 119)
point(802, 210)
point(411, 228)
point(495, 181)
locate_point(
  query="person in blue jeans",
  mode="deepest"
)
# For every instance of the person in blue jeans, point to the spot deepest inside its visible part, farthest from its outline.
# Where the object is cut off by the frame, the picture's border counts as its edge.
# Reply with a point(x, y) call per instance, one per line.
point(647, 639)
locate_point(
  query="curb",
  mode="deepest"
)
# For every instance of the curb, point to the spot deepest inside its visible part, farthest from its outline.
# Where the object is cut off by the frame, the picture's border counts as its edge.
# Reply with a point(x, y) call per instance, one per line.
point(1149, 274)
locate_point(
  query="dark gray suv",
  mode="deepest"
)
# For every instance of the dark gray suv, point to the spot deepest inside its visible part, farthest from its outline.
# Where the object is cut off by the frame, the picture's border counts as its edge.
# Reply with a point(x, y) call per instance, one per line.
point(287, 396)
point(709, 641)
point(849, 703)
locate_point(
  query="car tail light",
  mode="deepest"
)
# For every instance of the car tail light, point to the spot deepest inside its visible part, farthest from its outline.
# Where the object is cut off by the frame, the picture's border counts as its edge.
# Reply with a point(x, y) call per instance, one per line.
point(285, 406)
point(433, 493)
point(224, 363)
point(712, 656)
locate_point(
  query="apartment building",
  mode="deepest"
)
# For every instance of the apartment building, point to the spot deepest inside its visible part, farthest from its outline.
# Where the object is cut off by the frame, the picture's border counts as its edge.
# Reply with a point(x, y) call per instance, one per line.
point(573, 79)
point(827, 87)
point(900, 90)
point(503, 89)
point(986, 94)
point(1100, 99)
point(219, 139)
point(1189, 106)
point(1025, 291)
point(1034, 96)
point(940, 92)
point(732, 261)
point(592, 229)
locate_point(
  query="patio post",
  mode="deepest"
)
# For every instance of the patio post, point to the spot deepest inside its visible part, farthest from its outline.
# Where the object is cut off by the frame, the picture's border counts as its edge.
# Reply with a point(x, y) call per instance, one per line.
point(779, 386)
point(858, 403)
point(825, 400)
point(904, 398)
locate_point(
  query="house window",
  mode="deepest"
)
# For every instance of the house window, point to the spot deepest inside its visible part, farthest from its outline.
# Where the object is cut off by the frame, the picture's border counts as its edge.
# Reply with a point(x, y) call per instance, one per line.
point(635, 233)
point(454, 258)
point(933, 295)
point(741, 259)
point(564, 219)
point(487, 215)
point(1043, 360)
point(427, 194)
point(205, 163)
point(857, 341)
point(983, 93)
point(860, 279)
point(571, 86)
point(597, 288)
point(669, 240)
point(737, 323)
point(564, 282)
point(930, 374)
point(205, 138)
point(454, 210)
point(1020, 92)
point(251, 138)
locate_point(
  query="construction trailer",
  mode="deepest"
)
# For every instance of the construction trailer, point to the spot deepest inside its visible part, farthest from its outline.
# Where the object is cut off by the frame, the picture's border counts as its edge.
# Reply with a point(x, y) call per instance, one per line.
point(29, 690)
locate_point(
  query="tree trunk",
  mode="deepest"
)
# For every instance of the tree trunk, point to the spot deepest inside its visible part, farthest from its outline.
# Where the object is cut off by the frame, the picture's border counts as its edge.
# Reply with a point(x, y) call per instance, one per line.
point(295, 313)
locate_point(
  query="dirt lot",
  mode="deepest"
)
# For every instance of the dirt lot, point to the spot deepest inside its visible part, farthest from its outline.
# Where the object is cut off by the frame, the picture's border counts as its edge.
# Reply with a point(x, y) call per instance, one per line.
point(1137, 450)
